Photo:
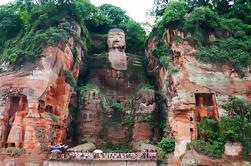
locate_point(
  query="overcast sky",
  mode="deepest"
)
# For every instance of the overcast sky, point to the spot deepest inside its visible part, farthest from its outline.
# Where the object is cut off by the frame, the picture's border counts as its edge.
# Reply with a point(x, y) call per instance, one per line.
point(136, 9)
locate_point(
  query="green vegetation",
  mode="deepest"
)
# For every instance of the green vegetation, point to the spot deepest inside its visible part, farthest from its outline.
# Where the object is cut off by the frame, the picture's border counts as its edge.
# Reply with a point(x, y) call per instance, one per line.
point(72, 123)
point(230, 50)
point(83, 89)
point(212, 150)
point(84, 141)
point(53, 117)
point(167, 144)
point(45, 148)
point(162, 156)
point(163, 61)
point(237, 106)
point(146, 86)
point(202, 19)
point(69, 78)
point(161, 118)
point(27, 27)
point(87, 87)
point(161, 51)
point(234, 129)
point(116, 107)
point(214, 147)
point(117, 114)
point(107, 17)
point(129, 122)
point(135, 37)
point(15, 151)
point(122, 147)
point(158, 8)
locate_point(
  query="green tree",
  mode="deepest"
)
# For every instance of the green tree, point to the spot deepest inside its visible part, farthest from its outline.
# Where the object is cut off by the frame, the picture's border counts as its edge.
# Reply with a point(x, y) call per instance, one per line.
point(237, 106)
point(135, 36)
point(10, 23)
point(222, 6)
point(167, 144)
point(173, 16)
point(158, 8)
point(191, 4)
point(117, 16)
point(99, 22)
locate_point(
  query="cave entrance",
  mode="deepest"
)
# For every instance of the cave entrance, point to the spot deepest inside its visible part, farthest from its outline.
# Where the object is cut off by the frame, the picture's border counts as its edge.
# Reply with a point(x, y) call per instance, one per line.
point(14, 105)
point(206, 105)
point(17, 103)
point(48, 108)
point(204, 99)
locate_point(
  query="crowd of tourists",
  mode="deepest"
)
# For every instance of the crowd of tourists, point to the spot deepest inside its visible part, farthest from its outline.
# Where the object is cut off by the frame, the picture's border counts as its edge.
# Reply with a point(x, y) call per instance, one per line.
point(145, 155)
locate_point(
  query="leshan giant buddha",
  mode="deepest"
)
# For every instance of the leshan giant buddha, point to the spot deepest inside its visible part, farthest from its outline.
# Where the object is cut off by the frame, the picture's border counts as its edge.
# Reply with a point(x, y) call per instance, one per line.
point(117, 45)
point(118, 76)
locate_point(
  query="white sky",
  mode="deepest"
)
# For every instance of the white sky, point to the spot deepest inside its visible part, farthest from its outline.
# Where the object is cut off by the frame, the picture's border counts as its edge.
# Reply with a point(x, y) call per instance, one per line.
point(136, 9)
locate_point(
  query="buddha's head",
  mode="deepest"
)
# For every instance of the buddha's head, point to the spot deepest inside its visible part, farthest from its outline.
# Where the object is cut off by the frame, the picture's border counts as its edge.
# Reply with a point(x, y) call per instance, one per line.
point(116, 39)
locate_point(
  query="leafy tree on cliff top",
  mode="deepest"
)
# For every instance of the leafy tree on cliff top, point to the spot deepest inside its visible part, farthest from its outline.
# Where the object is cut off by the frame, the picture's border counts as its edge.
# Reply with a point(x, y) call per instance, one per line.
point(108, 16)
point(202, 18)
point(135, 36)
point(174, 15)
point(158, 8)
point(31, 25)
point(10, 23)
point(117, 16)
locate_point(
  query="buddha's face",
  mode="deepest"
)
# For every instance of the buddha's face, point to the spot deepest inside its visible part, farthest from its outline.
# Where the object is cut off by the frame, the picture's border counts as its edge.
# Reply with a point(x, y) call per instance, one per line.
point(116, 40)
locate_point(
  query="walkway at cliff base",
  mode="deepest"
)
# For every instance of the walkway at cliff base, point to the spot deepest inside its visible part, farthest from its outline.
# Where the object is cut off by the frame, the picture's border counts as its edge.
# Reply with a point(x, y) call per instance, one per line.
point(104, 156)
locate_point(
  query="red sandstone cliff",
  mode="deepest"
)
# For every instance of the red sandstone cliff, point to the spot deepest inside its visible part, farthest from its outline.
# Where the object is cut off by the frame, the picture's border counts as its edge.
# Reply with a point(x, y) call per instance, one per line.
point(34, 98)
point(198, 89)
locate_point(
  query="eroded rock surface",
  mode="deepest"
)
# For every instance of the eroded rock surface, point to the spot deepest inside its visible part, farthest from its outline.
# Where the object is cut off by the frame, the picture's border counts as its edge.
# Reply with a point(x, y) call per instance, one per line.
point(195, 89)
point(34, 99)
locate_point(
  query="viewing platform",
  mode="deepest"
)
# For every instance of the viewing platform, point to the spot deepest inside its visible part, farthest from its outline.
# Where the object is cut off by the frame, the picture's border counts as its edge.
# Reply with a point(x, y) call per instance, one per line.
point(97, 162)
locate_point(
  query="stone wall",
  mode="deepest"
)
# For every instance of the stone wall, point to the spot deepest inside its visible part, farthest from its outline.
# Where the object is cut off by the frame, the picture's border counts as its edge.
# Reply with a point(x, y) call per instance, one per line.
point(233, 149)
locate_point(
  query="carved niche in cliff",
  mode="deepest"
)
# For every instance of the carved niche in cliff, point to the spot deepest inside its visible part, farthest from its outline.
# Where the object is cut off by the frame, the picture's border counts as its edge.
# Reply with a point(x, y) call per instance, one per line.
point(206, 106)
point(11, 128)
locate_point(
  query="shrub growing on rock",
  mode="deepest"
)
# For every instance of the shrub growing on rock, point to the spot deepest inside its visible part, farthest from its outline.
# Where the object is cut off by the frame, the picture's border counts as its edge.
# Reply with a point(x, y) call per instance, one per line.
point(167, 144)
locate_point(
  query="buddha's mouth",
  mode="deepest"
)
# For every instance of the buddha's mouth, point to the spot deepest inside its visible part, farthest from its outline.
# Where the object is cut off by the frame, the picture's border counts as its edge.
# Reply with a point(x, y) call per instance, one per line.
point(115, 44)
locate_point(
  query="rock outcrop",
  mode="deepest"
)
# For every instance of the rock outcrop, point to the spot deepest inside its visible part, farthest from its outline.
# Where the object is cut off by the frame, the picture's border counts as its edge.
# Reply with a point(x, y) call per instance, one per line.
point(193, 89)
point(34, 98)
point(144, 106)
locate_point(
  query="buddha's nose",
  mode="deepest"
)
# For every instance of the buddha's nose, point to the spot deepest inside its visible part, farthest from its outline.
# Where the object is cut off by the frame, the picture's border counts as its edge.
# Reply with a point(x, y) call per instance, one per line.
point(116, 38)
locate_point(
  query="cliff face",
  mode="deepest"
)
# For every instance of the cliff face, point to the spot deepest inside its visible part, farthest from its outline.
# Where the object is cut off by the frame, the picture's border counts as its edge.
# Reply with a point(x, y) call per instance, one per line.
point(34, 98)
point(195, 89)
point(106, 86)
point(113, 105)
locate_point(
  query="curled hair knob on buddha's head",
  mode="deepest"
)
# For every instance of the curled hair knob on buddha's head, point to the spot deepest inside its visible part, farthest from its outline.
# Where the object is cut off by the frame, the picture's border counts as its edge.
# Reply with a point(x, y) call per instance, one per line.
point(115, 30)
